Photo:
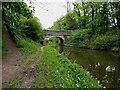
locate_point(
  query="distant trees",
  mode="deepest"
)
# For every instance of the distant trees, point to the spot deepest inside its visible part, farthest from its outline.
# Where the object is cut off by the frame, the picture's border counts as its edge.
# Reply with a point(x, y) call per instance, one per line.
point(98, 16)
point(96, 25)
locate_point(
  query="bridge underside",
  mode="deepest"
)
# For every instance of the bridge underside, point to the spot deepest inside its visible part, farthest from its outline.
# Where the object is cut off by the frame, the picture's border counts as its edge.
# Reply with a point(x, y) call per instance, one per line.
point(48, 37)
point(56, 33)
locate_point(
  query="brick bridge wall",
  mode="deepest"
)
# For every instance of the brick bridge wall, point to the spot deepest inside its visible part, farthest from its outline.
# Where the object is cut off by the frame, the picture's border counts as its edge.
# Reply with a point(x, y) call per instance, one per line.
point(57, 33)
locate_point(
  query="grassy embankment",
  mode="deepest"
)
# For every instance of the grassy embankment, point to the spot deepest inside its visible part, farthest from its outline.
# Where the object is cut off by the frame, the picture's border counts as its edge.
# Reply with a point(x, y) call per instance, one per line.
point(101, 41)
point(4, 45)
point(26, 31)
point(56, 71)
point(28, 48)
point(4, 48)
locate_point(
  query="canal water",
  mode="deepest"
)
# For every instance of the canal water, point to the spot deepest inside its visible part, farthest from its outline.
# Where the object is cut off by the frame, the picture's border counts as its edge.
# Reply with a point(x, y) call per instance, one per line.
point(102, 65)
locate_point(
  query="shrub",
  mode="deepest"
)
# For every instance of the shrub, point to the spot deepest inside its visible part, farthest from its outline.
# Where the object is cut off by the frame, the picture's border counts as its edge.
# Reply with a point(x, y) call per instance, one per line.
point(81, 37)
point(27, 46)
point(4, 48)
point(34, 29)
point(106, 42)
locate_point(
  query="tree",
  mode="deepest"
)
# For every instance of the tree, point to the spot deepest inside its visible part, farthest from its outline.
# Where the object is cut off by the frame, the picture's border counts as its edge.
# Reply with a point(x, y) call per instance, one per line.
point(20, 21)
point(34, 29)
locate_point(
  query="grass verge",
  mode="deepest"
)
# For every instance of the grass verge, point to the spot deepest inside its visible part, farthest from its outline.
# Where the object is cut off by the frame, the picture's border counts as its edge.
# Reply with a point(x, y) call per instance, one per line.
point(17, 82)
point(56, 71)
point(27, 46)
point(14, 83)
point(31, 52)
point(4, 48)
point(3, 44)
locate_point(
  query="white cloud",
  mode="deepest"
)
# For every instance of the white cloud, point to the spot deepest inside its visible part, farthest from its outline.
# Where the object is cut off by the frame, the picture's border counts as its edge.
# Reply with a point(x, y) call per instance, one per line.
point(49, 11)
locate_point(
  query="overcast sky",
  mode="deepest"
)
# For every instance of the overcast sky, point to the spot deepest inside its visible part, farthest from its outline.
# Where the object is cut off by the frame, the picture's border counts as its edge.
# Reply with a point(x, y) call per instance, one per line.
point(48, 11)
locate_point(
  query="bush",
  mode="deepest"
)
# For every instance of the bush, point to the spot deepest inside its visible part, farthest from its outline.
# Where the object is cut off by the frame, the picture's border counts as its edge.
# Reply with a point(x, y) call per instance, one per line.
point(27, 46)
point(54, 41)
point(4, 48)
point(34, 29)
point(106, 42)
point(81, 37)
point(87, 39)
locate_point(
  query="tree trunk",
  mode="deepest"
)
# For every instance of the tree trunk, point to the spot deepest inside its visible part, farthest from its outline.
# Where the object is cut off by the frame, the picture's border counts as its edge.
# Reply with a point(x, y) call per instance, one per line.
point(92, 16)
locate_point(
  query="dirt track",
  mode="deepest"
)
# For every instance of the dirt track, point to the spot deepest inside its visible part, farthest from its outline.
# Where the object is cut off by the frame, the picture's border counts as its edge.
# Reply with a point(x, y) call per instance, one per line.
point(12, 66)
point(30, 73)
point(9, 68)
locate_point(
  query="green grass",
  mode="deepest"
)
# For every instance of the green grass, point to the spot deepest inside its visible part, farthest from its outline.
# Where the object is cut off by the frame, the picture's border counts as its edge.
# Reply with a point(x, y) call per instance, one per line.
point(56, 71)
point(4, 49)
point(36, 57)
point(17, 82)
point(4, 45)
point(14, 83)
point(28, 46)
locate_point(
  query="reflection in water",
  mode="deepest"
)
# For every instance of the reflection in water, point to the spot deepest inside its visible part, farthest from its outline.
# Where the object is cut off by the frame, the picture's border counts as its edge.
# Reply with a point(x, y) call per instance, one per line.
point(102, 65)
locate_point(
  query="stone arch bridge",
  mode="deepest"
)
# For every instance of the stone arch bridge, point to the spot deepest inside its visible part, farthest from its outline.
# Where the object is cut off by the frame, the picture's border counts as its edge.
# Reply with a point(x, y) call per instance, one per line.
point(61, 34)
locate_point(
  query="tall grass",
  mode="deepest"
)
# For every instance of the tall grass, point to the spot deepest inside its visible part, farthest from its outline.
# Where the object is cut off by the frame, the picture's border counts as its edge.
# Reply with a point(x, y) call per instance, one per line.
point(56, 71)
point(3, 44)
point(28, 46)
point(4, 48)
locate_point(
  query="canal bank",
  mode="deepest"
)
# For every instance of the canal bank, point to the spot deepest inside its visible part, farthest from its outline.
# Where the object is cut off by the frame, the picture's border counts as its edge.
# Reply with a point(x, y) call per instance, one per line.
point(56, 71)
point(103, 65)
point(75, 46)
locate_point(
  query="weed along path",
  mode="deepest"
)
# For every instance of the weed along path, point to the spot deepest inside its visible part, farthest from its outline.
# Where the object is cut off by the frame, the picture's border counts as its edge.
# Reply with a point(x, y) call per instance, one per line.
point(18, 69)
point(9, 68)
point(29, 74)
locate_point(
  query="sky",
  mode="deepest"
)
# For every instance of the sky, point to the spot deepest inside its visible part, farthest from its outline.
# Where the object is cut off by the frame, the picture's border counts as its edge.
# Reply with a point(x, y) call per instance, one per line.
point(48, 11)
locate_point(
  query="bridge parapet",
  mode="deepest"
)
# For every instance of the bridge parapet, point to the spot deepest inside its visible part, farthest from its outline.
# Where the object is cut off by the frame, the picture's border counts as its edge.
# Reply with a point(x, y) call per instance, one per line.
point(57, 32)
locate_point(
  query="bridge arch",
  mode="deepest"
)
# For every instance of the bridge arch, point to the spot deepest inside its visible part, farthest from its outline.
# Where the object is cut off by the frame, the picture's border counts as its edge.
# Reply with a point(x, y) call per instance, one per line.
point(56, 33)
point(61, 38)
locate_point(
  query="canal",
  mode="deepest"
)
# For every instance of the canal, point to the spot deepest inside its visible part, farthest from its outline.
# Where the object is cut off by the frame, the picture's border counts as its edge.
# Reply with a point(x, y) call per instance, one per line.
point(102, 65)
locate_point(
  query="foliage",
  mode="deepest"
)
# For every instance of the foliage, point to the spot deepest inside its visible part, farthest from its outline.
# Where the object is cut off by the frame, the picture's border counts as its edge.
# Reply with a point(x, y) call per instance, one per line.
point(56, 71)
point(14, 83)
point(28, 46)
point(34, 29)
point(67, 22)
point(98, 16)
point(85, 38)
point(19, 20)
point(4, 45)
point(106, 42)
point(4, 48)
point(101, 18)
point(53, 41)
point(11, 14)
point(81, 38)
point(21, 23)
